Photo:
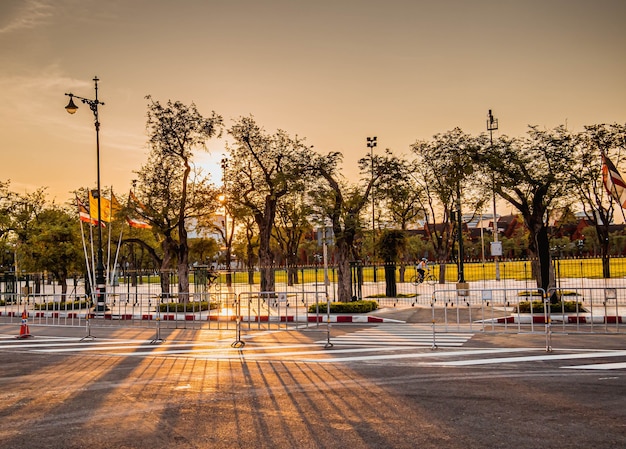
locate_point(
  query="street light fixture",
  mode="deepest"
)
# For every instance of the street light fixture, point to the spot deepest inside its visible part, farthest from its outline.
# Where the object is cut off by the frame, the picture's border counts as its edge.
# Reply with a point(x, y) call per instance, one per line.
point(371, 143)
point(100, 280)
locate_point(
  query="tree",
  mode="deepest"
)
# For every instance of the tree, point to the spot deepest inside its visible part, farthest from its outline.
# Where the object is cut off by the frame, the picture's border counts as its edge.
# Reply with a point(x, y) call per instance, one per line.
point(292, 224)
point(55, 245)
point(342, 204)
point(390, 247)
point(441, 170)
point(6, 206)
point(170, 196)
point(22, 213)
point(532, 175)
point(267, 168)
point(402, 202)
point(586, 180)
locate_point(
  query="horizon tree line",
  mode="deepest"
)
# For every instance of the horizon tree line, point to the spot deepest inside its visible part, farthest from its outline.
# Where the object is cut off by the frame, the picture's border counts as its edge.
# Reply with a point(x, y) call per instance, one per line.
point(276, 189)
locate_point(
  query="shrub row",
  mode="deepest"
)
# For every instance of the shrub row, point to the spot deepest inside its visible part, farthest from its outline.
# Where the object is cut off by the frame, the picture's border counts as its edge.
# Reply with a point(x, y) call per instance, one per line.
point(70, 305)
point(559, 307)
point(363, 306)
point(183, 307)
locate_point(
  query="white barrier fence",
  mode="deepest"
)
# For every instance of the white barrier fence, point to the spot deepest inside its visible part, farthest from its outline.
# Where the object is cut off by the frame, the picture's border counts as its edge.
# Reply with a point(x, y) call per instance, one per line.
point(221, 310)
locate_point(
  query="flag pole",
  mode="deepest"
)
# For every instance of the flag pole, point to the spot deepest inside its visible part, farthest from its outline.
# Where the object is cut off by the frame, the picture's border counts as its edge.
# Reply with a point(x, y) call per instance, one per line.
point(93, 257)
point(117, 253)
point(82, 236)
point(110, 212)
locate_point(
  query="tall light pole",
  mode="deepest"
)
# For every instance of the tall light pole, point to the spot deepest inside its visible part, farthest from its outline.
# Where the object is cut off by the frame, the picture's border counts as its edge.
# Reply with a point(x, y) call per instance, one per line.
point(462, 286)
point(100, 280)
point(371, 143)
point(459, 217)
point(496, 246)
point(229, 280)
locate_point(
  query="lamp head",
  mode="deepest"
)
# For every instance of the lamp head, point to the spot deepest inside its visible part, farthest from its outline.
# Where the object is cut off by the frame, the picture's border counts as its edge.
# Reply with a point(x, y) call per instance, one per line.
point(71, 107)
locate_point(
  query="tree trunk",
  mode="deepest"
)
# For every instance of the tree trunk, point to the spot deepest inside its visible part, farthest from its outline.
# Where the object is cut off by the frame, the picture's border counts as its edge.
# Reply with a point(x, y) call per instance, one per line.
point(539, 249)
point(266, 259)
point(390, 280)
point(169, 249)
point(183, 267)
point(604, 252)
point(342, 257)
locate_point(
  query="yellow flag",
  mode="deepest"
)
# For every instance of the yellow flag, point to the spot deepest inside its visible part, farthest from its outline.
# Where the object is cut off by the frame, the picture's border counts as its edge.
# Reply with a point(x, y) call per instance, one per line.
point(105, 211)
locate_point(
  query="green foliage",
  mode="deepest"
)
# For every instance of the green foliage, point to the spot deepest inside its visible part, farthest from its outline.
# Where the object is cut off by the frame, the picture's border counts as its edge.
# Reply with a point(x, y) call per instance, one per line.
point(399, 295)
point(559, 307)
point(363, 306)
point(529, 293)
point(70, 305)
point(200, 306)
point(391, 244)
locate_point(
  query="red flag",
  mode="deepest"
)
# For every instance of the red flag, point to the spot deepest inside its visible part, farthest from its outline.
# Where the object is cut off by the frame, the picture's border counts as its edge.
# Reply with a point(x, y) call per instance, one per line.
point(83, 213)
point(613, 181)
point(135, 223)
point(141, 210)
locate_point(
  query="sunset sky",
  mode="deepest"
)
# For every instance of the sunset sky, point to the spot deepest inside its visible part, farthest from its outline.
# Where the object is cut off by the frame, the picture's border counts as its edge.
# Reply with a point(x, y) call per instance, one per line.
point(331, 71)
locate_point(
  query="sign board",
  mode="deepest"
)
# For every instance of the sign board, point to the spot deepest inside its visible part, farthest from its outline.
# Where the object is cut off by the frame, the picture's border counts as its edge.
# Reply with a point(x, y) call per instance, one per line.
point(496, 248)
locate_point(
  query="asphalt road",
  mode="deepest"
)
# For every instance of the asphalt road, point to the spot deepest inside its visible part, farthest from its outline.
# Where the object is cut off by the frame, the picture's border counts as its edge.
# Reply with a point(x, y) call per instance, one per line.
point(378, 386)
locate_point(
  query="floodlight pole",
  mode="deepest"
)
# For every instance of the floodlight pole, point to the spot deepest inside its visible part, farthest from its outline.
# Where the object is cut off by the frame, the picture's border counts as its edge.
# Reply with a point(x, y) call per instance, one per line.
point(492, 125)
point(371, 143)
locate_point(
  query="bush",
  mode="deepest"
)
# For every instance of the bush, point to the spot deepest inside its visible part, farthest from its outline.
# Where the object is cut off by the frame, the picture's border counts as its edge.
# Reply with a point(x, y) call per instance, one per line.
point(346, 307)
point(70, 305)
point(559, 307)
point(200, 306)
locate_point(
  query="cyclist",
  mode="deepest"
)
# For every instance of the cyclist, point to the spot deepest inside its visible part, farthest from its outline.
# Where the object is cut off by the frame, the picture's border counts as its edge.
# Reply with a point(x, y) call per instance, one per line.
point(212, 275)
point(421, 268)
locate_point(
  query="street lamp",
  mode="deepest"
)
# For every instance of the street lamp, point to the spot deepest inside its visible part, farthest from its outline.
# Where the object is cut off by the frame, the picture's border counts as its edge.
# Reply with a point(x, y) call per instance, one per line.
point(496, 247)
point(371, 143)
point(100, 280)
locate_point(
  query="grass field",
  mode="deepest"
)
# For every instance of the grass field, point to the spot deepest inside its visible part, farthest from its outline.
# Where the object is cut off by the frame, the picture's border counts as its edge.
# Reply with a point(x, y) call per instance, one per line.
point(473, 271)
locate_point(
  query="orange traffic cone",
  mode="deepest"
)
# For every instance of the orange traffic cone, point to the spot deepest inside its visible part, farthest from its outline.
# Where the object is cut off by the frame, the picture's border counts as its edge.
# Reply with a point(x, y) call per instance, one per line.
point(24, 331)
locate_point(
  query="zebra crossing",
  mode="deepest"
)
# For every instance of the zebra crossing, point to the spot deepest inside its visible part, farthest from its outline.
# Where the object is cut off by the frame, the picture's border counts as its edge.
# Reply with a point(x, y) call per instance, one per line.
point(401, 335)
point(384, 343)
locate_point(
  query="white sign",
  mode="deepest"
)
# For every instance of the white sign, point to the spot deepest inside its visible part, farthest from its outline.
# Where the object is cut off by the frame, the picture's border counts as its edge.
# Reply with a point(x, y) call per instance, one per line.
point(496, 248)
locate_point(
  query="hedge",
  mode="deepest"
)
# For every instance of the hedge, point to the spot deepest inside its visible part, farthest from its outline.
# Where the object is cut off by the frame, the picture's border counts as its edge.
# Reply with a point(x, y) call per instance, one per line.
point(363, 306)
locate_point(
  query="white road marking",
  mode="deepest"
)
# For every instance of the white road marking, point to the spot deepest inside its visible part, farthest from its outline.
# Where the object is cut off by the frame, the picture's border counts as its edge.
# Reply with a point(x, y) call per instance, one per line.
point(534, 358)
point(599, 366)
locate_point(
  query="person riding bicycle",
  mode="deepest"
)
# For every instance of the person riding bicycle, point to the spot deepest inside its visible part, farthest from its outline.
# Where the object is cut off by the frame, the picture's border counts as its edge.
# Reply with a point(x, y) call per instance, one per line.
point(212, 275)
point(421, 268)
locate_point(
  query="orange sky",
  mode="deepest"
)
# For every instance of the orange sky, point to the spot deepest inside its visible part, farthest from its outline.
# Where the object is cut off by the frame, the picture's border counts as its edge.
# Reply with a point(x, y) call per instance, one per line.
point(332, 71)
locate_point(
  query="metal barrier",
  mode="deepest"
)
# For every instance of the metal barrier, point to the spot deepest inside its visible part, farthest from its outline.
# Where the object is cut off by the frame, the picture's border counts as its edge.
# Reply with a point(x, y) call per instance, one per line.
point(485, 309)
point(500, 310)
point(221, 310)
point(590, 309)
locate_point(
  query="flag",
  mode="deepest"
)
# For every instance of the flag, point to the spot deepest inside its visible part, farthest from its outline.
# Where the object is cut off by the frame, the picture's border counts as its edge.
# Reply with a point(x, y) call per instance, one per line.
point(138, 203)
point(93, 210)
point(110, 207)
point(115, 204)
point(141, 210)
point(105, 208)
point(136, 223)
point(613, 181)
point(83, 213)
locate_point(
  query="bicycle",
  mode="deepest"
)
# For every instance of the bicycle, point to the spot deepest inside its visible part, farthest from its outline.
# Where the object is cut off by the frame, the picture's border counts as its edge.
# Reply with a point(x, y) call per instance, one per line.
point(213, 280)
point(428, 277)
